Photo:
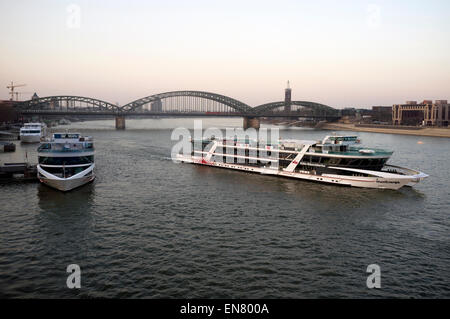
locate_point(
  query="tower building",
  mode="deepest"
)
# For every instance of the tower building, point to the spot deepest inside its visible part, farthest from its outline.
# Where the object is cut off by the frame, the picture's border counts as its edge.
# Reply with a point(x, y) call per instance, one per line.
point(287, 98)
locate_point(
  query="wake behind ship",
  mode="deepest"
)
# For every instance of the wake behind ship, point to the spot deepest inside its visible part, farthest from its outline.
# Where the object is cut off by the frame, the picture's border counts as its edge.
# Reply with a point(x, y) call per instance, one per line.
point(334, 160)
point(66, 161)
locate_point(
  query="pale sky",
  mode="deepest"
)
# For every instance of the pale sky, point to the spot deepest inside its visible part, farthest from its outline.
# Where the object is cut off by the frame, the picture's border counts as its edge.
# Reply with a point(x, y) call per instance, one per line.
point(340, 53)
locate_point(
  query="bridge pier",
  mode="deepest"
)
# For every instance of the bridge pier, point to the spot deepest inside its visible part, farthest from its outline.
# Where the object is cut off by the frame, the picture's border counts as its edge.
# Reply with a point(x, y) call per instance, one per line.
point(252, 122)
point(120, 122)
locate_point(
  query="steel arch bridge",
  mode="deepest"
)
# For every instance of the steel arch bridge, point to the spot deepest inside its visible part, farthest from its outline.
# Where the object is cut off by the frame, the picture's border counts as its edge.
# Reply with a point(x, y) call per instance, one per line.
point(67, 103)
point(175, 103)
point(183, 101)
point(316, 108)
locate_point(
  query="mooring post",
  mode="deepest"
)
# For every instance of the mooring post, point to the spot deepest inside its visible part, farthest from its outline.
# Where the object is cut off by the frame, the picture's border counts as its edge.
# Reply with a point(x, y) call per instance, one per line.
point(120, 122)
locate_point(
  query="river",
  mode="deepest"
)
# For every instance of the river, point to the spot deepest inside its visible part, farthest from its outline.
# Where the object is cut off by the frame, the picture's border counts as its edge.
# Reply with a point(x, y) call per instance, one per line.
point(151, 228)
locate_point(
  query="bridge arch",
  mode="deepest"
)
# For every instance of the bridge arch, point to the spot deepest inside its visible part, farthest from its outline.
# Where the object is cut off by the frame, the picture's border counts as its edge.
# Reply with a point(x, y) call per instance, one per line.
point(315, 107)
point(68, 102)
point(235, 105)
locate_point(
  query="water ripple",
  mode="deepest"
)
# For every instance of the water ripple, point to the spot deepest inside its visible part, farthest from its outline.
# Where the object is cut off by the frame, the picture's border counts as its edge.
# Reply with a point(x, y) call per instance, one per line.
point(151, 228)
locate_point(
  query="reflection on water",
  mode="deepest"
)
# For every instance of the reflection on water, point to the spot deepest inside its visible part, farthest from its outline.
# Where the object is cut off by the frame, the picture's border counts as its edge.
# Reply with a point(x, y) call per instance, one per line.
point(307, 190)
point(77, 201)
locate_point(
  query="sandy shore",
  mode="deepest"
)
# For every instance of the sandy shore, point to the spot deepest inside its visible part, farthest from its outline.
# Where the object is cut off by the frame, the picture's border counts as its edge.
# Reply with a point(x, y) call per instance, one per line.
point(437, 132)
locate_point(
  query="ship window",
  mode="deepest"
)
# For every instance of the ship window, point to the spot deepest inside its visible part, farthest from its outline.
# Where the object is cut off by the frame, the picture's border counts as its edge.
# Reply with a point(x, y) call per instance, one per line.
point(365, 162)
point(377, 162)
point(315, 159)
point(283, 155)
point(334, 161)
point(354, 162)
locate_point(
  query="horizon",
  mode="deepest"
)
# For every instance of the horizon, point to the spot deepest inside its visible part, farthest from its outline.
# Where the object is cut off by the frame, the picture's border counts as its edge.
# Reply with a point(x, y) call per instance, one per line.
point(349, 54)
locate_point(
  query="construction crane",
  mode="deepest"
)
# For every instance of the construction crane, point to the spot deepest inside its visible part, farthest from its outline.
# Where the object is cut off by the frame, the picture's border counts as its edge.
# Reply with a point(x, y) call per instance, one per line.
point(18, 94)
point(12, 86)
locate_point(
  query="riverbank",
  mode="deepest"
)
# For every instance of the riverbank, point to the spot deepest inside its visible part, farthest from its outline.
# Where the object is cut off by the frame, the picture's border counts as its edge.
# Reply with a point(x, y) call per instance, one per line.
point(428, 131)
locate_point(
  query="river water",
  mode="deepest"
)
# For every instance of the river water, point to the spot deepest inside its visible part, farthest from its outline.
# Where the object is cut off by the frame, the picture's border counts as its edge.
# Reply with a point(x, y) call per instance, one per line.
point(151, 228)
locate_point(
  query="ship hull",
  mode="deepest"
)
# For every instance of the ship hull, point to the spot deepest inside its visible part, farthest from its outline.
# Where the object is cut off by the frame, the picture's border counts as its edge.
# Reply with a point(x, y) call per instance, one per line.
point(30, 138)
point(66, 184)
point(389, 181)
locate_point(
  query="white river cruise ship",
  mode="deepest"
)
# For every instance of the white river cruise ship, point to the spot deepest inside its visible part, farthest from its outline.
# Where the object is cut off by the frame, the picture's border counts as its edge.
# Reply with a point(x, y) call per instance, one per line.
point(66, 161)
point(335, 159)
point(33, 132)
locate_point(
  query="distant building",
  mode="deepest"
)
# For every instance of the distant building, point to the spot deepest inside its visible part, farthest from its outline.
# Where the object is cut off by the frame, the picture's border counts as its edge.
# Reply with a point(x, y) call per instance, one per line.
point(287, 98)
point(348, 111)
point(354, 115)
point(156, 106)
point(426, 113)
point(382, 114)
point(364, 112)
point(7, 112)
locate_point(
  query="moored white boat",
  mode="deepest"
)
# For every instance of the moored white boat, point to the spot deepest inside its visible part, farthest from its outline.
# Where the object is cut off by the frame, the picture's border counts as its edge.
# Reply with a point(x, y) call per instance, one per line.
point(66, 161)
point(333, 160)
point(32, 132)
